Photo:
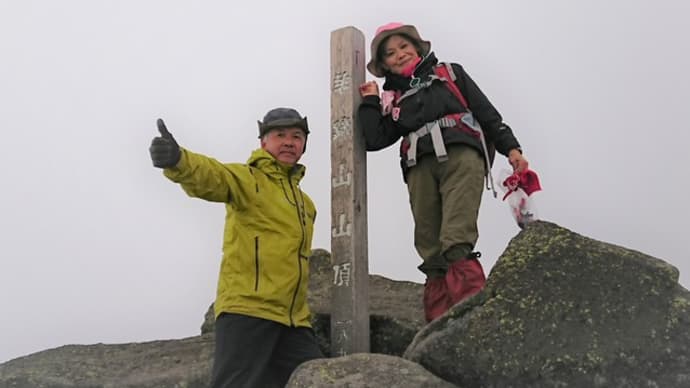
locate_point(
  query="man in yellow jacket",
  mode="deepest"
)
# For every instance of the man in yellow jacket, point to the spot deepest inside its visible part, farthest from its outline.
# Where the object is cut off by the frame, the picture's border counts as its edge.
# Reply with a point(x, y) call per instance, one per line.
point(263, 329)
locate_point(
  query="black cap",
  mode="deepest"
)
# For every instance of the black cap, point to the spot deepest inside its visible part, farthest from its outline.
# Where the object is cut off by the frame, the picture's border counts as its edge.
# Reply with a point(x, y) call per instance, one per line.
point(282, 118)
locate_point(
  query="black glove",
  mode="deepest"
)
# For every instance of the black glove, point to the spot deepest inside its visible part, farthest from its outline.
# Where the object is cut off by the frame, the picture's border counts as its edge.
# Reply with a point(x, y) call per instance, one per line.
point(164, 149)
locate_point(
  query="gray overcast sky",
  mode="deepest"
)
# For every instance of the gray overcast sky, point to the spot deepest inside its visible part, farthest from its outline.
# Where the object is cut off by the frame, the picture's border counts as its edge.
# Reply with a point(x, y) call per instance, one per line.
point(98, 247)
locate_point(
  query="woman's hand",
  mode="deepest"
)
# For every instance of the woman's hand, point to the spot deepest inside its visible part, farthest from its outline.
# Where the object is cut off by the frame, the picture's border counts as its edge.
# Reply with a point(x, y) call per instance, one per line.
point(518, 161)
point(370, 88)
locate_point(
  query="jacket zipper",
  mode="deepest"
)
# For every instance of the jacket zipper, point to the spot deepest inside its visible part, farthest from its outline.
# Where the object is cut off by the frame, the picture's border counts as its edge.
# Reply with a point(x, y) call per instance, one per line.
point(299, 251)
point(256, 263)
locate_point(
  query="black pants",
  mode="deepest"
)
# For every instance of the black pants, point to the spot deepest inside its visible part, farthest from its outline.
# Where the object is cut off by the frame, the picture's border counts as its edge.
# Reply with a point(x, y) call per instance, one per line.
point(252, 352)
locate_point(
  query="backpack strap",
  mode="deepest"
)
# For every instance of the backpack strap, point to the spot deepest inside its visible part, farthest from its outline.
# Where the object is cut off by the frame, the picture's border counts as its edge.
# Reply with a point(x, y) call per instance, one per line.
point(445, 73)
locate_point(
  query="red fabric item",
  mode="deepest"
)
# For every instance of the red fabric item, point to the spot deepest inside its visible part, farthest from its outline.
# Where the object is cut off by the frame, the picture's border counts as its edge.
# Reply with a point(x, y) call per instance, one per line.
point(409, 69)
point(465, 278)
point(527, 180)
point(436, 301)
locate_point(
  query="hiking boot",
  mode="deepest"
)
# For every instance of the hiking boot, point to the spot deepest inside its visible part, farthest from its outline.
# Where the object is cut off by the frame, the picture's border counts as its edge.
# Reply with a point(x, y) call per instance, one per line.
point(436, 301)
point(465, 278)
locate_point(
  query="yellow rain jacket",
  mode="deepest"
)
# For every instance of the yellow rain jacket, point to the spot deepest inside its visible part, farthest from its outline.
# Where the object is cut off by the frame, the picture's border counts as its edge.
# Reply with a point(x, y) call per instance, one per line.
point(269, 225)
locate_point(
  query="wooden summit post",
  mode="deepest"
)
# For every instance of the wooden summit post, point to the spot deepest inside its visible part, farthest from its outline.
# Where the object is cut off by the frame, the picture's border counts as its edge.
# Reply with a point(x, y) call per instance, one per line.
point(350, 301)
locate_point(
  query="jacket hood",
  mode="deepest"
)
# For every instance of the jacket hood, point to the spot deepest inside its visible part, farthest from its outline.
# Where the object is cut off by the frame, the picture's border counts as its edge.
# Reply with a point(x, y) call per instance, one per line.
point(263, 160)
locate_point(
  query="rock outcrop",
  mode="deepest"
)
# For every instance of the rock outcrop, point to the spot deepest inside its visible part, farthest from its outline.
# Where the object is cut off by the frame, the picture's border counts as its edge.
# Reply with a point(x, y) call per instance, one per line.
point(563, 310)
point(364, 370)
point(559, 310)
point(396, 317)
point(184, 363)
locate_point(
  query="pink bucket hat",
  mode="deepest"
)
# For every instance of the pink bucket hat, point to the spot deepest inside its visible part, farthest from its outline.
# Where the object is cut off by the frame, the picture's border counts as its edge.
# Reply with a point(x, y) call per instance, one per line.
point(383, 32)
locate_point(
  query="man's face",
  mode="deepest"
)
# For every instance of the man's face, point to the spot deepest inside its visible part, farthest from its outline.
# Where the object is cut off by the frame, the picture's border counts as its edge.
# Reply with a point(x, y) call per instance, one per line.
point(285, 144)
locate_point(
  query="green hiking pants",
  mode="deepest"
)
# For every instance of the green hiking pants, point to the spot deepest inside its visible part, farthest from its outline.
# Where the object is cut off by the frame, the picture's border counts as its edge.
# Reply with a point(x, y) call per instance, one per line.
point(445, 199)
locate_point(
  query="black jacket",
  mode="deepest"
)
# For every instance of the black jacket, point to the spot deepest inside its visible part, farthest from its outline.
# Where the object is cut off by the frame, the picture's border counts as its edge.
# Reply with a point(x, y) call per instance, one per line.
point(429, 104)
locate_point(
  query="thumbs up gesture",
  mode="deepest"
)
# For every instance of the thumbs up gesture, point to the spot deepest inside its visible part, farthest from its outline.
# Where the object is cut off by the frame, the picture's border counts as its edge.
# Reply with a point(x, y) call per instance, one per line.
point(164, 150)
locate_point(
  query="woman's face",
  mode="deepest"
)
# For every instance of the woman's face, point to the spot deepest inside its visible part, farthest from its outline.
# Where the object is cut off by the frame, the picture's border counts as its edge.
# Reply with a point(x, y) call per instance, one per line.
point(398, 53)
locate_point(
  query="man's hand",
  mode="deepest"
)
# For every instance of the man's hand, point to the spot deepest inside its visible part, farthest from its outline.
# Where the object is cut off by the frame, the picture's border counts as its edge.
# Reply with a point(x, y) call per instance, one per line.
point(165, 152)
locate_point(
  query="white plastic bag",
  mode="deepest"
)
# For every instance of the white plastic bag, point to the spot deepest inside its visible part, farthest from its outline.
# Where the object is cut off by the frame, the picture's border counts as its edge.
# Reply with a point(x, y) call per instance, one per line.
point(522, 206)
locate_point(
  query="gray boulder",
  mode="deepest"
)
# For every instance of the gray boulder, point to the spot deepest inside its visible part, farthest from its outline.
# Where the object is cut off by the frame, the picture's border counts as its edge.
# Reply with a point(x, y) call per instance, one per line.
point(395, 308)
point(563, 310)
point(184, 363)
point(365, 371)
